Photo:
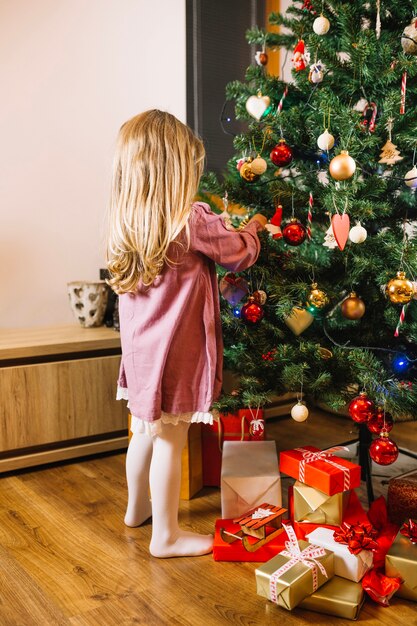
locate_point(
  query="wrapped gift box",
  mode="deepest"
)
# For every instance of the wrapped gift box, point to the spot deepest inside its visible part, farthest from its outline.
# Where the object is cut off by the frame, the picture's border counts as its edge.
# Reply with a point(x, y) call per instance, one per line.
point(287, 583)
point(402, 498)
point(338, 597)
point(354, 514)
point(249, 476)
point(235, 551)
point(320, 469)
point(347, 565)
point(314, 506)
point(230, 427)
point(401, 562)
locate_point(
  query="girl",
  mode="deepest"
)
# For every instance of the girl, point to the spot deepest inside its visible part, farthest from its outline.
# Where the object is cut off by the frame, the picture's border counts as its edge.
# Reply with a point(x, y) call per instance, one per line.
point(161, 255)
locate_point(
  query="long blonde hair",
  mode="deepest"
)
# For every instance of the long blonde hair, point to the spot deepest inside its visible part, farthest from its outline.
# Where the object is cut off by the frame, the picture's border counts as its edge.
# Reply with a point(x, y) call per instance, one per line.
point(156, 173)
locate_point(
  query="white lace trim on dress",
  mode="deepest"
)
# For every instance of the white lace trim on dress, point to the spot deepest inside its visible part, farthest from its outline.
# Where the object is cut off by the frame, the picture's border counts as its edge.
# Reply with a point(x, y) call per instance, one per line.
point(152, 429)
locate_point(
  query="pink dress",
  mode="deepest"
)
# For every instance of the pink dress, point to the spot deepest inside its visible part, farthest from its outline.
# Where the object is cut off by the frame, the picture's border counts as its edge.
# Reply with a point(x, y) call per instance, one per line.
point(172, 349)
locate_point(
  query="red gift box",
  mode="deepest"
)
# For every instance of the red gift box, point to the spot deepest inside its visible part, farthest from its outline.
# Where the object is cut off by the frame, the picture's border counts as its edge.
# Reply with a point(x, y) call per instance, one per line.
point(320, 469)
point(230, 427)
point(235, 551)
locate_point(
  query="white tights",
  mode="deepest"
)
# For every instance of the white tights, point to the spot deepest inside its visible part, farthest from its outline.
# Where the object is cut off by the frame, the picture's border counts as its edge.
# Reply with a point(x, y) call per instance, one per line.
point(156, 462)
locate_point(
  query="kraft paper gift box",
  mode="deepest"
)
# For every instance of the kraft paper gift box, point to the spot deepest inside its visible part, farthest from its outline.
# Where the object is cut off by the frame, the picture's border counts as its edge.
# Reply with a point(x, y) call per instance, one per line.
point(338, 597)
point(401, 562)
point(320, 469)
point(249, 477)
point(347, 565)
point(312, 505)
point(287, 583)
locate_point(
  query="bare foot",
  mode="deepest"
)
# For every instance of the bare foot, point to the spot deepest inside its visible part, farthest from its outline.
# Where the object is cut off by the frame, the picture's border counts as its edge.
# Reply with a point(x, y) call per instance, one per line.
point(183, 544)
point(137, 515)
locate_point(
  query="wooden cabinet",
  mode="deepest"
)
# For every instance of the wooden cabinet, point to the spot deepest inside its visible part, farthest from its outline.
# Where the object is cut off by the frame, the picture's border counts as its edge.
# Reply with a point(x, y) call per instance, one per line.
point(57, 400)
point(57, 394)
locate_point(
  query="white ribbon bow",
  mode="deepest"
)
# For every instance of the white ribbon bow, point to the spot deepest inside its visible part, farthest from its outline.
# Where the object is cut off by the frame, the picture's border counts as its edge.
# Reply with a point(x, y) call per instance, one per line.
point(323, 455)
point(307, 556)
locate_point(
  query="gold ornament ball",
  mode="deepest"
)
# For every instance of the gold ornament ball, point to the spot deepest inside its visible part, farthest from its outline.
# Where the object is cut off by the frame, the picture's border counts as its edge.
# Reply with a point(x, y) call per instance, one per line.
point(353, 308)
point(400, 290)
point(247, 173)
point(260, 296)
point(317, 297)
point(342, 166)
point(258, 166)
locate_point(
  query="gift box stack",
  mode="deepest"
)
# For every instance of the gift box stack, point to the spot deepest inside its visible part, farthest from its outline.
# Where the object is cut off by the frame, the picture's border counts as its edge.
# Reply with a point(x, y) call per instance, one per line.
point(318, 503)
point(330, 553)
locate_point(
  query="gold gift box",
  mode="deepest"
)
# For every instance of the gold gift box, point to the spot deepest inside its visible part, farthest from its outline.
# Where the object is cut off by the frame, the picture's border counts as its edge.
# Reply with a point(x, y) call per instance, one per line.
point(401, 562)
point(312, 505)
point(296, 583)
point(338, 597)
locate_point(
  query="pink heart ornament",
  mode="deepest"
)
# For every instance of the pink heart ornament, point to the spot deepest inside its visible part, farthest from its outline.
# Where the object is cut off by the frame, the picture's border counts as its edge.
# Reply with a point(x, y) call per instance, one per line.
point(341, 227)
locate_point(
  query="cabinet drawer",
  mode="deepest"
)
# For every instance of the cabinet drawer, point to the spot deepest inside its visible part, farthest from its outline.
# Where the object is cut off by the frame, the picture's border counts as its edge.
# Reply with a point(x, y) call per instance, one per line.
point(53, 402)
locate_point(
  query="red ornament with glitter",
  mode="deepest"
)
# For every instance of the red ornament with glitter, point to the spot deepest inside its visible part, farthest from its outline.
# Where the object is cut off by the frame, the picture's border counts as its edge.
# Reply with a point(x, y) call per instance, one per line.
point(282, 154)
point(294, 233)
point(383, 451)
point(252, 312)
point(361, 409)
point(380, 421)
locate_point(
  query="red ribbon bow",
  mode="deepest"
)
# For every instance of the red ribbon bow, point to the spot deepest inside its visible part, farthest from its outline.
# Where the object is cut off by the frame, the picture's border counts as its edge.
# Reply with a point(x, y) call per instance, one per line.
point(409, 529)
point(357, 537)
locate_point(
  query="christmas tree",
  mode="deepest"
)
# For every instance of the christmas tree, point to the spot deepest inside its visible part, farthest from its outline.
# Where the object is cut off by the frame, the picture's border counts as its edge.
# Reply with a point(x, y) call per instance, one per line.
point(338, 271)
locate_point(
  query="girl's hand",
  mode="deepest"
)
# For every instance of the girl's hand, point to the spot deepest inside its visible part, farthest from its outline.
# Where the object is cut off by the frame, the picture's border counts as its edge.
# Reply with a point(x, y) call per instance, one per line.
point(261, 219)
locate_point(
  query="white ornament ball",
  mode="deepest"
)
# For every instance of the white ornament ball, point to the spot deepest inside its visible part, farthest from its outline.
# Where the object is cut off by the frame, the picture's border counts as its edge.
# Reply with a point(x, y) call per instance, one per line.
point(358, 233)
point(321, 25)
point(299, 412)
point(410, 178)
point(325, 141)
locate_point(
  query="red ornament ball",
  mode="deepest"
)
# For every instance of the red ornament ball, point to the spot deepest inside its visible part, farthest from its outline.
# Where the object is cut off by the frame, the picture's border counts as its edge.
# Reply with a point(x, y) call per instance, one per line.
point(263, 58)
point(282, 154)
point(294, 232)
point(361, 409)
point(377, 422)
point(252, 312)
point(383, 450)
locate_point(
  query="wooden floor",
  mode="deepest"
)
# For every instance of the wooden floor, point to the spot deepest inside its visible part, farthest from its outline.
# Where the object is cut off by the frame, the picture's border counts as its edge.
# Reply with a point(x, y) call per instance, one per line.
point(67, 558)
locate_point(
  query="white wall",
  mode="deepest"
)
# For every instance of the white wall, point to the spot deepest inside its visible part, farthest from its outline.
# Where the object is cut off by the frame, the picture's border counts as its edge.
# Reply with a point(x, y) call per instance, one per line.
point(287, 66)
point(71, 71)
